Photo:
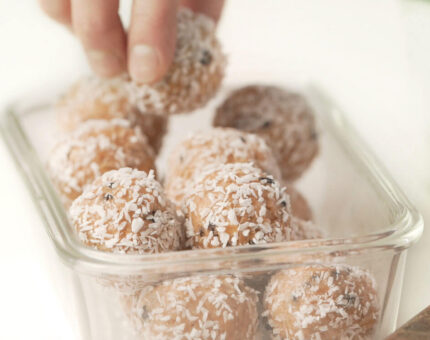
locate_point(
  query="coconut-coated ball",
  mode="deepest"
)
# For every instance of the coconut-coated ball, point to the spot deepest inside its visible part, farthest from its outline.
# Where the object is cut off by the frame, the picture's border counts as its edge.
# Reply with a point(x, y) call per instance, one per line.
point(283, 118)
point(205, 308)
point(99, 98)
point(195, 74)
point(237, 204)
point(126, 211)
point(93, 148)
point(216, 146)
point(322, 302)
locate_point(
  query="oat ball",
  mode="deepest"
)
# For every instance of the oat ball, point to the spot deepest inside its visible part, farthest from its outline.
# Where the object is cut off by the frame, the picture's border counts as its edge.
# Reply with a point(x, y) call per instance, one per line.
point(211, 307)
point(97, 98)
point(216, 146)
point(126, 211)
point(282, 118)
point(195, 74)
point(95, 147)
point(322, 302)
point(299, 205)
point(236, 204)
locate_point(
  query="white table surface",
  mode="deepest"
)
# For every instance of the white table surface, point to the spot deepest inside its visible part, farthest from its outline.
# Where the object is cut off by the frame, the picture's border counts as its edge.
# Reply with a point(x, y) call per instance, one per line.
point(394, 119)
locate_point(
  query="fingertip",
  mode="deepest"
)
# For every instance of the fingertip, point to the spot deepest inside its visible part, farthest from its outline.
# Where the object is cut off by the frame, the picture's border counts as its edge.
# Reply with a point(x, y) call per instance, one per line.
point(152, 39)
point(144, 65)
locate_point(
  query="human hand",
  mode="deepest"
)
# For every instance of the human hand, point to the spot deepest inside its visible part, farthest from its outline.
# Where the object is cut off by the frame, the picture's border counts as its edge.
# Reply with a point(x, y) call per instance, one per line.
point(146, 50)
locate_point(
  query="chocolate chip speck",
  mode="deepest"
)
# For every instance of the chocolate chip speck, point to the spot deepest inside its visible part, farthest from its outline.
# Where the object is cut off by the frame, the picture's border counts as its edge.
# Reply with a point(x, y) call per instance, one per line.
point(206, 58)
point(144, 313)
point(268, 180)
point(266, 124)
point(108, 197)
point(350, 299)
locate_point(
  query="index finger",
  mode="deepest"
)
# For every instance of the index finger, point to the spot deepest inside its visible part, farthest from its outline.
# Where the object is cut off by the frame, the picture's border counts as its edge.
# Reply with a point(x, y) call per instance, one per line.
point(98, 26)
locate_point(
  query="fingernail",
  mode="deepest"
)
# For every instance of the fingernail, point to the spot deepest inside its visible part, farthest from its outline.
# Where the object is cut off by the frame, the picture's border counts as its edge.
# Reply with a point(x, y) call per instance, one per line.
point(105, 63)
point(144, 63)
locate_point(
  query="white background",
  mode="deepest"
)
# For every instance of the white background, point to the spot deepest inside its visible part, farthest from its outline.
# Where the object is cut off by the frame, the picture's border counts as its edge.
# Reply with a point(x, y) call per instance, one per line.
point(390, 106)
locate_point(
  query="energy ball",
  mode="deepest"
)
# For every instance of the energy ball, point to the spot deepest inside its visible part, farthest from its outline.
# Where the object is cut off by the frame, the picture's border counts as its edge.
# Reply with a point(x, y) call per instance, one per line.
point(322, 302)
point(299, 205)
point(282, 118)
point(237, 204)
point(195, 74)
point(126, 211)
point(212, 307)
point(216, 146)
point(97, 98)
point(95, 147)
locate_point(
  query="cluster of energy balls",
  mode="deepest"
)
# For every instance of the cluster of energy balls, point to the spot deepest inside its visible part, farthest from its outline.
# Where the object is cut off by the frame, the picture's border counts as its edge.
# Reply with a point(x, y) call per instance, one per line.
point(232, 185)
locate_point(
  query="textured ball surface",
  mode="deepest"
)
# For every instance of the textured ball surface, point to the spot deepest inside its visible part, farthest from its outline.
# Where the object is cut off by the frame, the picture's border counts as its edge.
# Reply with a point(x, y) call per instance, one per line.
point(237, 204)
point(322, 302)
point(206, 308)
point(97, 98)
point(282, 118)
point(126, 211)
point(216, 146)
point(95, 147)
point(195, 74)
